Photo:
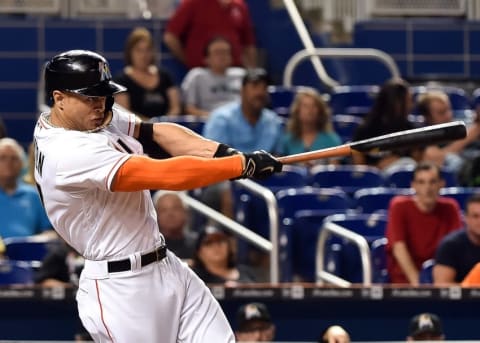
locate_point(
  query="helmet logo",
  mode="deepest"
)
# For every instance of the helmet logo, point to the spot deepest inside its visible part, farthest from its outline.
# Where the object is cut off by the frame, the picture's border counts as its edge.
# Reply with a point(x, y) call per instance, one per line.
point(104, 71)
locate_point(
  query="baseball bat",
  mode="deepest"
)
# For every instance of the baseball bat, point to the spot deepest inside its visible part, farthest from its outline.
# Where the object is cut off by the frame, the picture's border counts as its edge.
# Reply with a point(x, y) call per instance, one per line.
point(428, 135)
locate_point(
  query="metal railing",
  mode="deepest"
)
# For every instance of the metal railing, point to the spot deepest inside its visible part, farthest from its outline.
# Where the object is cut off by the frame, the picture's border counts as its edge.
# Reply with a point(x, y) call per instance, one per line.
point(269, 246)
point(301, 55)
point(329, 229)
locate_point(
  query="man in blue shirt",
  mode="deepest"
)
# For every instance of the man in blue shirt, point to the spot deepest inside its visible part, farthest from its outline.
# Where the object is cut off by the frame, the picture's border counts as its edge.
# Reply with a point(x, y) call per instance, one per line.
point(247, 125)
point(21, 210)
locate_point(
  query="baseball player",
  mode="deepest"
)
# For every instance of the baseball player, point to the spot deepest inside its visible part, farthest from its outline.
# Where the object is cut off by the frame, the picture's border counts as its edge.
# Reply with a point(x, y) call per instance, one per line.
point(94, 178)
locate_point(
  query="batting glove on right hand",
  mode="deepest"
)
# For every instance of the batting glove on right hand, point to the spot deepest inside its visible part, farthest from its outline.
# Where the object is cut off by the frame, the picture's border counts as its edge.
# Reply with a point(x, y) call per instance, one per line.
point(260, 165)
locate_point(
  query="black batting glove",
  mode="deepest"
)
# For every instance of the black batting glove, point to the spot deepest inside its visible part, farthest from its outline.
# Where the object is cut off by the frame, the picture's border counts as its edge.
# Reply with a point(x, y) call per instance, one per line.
point(260, 165)
point(225, 150)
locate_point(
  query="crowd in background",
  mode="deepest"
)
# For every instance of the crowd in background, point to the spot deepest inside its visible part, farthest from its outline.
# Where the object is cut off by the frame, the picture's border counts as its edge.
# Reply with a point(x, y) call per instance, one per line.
point(227, 87)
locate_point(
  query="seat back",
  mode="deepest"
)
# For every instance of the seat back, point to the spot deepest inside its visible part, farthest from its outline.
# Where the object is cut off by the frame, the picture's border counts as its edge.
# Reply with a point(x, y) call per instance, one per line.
point(345, 125)
point(32, 248)
point(379, 261)
point(349, 178)
point(281, 99)
point(461, 194)
point(426, 275)
point(459, 99)
point(292, 176)
point(402, 176)
point(371, 200)
point(15, 272)
point(194, 123)
point(354, 100)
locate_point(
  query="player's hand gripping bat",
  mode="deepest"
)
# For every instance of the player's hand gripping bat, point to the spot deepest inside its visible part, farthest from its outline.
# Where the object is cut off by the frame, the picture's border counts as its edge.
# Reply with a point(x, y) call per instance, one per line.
point(428, 135)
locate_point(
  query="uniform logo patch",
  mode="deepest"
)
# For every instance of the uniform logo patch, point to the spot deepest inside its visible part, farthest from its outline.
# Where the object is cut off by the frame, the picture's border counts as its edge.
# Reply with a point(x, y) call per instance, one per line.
point(104, 71)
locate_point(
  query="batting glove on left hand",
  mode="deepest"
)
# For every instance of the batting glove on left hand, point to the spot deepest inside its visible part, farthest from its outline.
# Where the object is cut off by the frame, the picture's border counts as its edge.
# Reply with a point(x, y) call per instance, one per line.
point(260, 165)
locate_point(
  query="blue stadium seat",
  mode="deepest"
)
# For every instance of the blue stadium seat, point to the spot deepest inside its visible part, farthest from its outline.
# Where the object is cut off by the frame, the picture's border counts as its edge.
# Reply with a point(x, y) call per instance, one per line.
point(401, 177)
point(301, 213)
point(31, 248)
point(355, 100)
point(461, 194)
point(291, 176)
point(345, 125)
point(425, 276)
point(15, 273)
point(371, 200)
point(281, 98)
point(379, 261)
point(194, 123)
point(349, 178)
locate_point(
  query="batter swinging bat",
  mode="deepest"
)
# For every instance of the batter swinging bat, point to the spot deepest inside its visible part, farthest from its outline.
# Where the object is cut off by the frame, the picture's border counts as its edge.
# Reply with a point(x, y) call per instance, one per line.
point(428, 135)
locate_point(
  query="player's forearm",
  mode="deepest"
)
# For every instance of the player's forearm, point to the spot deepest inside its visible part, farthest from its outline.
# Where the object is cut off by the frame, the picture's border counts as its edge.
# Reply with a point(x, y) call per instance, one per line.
point(178, 141)
point(179, 173)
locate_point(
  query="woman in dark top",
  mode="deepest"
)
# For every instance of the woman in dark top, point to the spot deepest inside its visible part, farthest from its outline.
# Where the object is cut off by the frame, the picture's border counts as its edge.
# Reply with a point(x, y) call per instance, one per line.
point(150, 90)
point(214, 260)
point(388, 114)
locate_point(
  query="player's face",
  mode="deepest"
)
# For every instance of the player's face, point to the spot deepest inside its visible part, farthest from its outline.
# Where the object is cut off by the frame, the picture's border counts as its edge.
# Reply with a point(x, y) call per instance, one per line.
point(142, 54)
point(427, 184)
point(219, 56)
point(83, 112)
point(472, 219)
point(440, 112)
point(171, 215)
point(10, 163)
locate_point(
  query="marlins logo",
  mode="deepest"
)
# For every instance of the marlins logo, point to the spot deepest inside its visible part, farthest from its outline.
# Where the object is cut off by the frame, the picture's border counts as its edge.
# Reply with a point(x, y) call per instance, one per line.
point(104, 71)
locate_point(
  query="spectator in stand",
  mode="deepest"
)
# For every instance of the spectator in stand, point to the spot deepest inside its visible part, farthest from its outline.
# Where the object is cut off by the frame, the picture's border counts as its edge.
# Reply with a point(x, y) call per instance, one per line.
point(417, 223)
point(205, 89)
point(21, 210)
point(196, 22)
point(334, 334)
point(459, 251)
point(435, 107)
point(247, 125)
point(310, 126)
point(172, 218)
point(389, 114)
point(150, 89)
point(425, 327)
point(214, 260)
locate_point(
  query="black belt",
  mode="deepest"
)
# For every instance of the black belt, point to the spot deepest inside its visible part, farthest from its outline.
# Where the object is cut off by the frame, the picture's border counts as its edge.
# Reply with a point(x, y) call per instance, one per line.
point(125, 265)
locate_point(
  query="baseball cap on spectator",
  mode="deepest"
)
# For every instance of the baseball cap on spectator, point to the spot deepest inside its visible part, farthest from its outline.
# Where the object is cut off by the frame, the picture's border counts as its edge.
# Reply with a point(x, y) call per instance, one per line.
point(425, 324)
point(255, 75)
point(251, 314)
point(210, 234)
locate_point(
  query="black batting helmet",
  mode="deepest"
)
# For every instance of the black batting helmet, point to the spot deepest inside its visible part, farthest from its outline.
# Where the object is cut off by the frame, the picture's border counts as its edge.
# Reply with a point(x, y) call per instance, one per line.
point(80, 71)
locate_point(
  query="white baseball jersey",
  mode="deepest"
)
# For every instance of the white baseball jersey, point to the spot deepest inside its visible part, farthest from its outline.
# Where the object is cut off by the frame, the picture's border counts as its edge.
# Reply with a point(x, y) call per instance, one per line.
point(74, 171)
point(161, 302)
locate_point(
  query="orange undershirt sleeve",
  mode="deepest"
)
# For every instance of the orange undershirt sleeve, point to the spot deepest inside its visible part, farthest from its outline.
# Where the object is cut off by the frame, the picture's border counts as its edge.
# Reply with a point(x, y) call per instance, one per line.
point(177, 173)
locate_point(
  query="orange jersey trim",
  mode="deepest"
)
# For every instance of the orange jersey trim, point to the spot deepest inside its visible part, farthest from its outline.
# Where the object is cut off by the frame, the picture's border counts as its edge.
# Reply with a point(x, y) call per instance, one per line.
point(177, 173)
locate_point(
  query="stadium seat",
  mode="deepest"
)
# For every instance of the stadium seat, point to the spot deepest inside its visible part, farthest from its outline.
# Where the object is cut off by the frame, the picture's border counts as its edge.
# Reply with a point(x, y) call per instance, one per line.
point(372, 200)
point(379, 261)
point(401, 177)
point(291, 176)
point(194, 123)
point(348, 178)
point(461, 194)
point(15, 273)
point(301, 213)
point(345, 125)
point(354, 100)
point(281, 98)
point(425, 276)
point(31, 249)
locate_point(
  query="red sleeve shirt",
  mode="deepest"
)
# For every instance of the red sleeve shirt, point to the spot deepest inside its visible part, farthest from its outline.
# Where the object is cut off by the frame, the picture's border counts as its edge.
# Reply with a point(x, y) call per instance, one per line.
point(420, 231)
point(195, 22)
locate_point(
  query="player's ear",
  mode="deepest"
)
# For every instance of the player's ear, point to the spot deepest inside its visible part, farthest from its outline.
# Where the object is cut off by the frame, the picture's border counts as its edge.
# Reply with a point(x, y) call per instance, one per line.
point(57, 96)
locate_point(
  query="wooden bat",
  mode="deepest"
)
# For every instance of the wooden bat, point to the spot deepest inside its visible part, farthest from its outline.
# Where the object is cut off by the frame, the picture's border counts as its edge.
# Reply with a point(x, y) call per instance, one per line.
point(428, 135)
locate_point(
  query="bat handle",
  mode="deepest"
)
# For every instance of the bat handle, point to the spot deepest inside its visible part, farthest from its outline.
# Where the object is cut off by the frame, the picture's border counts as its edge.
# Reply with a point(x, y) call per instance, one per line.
point(342, 150)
